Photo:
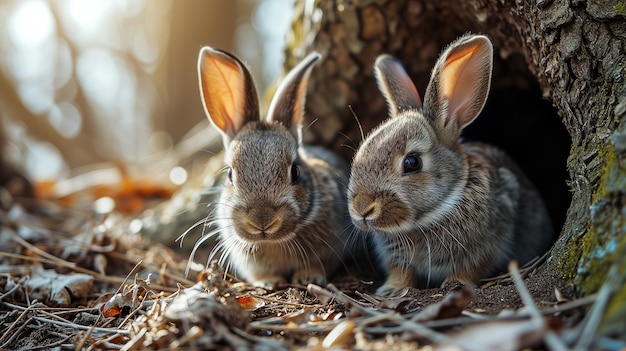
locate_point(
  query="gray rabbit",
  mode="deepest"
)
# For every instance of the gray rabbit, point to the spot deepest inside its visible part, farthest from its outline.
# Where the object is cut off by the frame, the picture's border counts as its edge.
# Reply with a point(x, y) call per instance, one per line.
point(282, 212)
point(439, 208)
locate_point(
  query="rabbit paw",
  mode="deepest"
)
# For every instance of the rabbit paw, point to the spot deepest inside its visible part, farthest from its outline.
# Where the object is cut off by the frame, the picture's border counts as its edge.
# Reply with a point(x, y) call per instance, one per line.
point(268, 281)
point(468, 278)
point(391, 290)
point(308, 276)
point(399, 279)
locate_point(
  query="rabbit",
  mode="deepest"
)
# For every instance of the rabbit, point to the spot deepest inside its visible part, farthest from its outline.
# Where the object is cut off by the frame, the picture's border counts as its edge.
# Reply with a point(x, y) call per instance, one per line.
point(282, 212)
point(441, 209)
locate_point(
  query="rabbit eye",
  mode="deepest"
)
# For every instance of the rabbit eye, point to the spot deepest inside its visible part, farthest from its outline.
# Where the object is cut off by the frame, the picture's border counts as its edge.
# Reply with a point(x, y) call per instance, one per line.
point(295, 172)
point(230, 175)
point(412, 163)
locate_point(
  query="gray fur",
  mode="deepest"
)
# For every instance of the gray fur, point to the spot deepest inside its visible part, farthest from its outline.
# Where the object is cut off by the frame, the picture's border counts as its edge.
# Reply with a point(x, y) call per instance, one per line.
point(273, 229)
point(469, 210)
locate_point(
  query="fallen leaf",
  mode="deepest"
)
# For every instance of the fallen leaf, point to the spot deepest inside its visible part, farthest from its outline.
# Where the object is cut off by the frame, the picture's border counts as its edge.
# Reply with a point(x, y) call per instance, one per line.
point(397, 304)
point(115, 306)
point(250, 302)
point(497, 335)
point(49, 286)
point(122, 302)
point(451, 306)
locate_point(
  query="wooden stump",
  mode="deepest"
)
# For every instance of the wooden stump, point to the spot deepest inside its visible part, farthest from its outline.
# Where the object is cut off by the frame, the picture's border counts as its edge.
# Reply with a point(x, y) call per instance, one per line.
point(557, 105)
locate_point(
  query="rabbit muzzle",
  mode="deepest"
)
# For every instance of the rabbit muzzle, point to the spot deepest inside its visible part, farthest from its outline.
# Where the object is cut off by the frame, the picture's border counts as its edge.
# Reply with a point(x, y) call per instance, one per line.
point(266, 224)
point(364, 210)
point(379, 211)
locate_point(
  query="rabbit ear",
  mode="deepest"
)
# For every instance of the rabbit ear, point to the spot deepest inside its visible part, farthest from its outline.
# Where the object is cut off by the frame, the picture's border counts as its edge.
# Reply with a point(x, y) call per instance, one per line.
point(287, 106)
point(396, 85)
point(228, 94)
point(459, 85)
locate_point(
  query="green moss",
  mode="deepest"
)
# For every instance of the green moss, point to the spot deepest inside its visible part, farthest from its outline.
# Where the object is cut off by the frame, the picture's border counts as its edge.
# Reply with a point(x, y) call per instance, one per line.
point(586, 259)
point(620, 8)
point(597, 259)
point(608, 154)
point(568, 257)
point(591, 256)
point(613, 319)
point(567, 261)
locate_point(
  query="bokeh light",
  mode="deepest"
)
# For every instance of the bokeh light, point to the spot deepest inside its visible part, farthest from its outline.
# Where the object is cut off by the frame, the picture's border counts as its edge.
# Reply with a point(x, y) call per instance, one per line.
point(98, 80)
point(31, 24)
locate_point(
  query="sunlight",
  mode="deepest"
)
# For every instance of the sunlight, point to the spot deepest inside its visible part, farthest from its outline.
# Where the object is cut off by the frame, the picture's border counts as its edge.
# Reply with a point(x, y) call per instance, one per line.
point(66, 119)
point(31, 24)
point(88, 15)
point(43, 160)
point(104, 205)
point(99, 75)
point(37, 97)
point(178, 175)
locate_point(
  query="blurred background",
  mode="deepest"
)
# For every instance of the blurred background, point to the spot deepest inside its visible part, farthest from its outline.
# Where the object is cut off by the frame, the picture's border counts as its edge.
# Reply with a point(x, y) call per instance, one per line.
point(91, 81)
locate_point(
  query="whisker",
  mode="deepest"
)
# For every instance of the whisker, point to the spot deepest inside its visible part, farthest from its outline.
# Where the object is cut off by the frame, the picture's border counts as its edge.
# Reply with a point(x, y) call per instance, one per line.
point(193, 226)
point(218, 248)
point(211, 190)
point(297, 253)
point(339, 255)
point(309, 126)
point(447, 247)
point(195, 248)
point(430, 258)
point(451, 234)
point(348, 146)
point(358, 122)
point(353, 146)
point(406, 247)
point(224, 204)
point(317, 257)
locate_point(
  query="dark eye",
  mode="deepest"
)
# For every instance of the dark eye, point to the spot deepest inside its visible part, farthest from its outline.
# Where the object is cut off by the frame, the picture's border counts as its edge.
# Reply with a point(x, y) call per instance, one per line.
point(295, 172)
point(412, 163)
point(230, 175)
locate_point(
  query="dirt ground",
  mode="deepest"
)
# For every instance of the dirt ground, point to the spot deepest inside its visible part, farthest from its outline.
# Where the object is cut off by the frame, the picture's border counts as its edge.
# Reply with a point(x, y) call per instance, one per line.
point(75, 280)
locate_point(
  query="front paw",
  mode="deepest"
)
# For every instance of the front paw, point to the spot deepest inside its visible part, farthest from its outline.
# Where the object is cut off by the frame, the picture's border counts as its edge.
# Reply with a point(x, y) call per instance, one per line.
point(268, 281)
point(309, 276)
point(467, 278)
point(398, 279)
point(391, 290)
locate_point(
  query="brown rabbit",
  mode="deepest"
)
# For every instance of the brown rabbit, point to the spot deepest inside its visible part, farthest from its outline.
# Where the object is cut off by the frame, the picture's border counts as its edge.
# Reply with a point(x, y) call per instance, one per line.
point(439, 208)
point(282, 212)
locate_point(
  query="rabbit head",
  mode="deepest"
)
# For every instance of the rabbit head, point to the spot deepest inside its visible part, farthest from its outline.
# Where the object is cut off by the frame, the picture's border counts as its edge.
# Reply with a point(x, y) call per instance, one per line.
point(267, 193)
point(408, 172)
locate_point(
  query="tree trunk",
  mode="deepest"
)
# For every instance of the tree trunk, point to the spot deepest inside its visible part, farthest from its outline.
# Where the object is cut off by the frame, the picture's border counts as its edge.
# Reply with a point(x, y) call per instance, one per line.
point(570, 53)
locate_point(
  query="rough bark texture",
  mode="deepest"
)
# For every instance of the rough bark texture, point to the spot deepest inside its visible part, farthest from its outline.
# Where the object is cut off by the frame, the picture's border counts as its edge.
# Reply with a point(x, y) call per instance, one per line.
point(570, 53)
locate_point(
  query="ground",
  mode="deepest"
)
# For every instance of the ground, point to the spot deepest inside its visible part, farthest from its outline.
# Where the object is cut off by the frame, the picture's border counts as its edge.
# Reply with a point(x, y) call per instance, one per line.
point(74, 279)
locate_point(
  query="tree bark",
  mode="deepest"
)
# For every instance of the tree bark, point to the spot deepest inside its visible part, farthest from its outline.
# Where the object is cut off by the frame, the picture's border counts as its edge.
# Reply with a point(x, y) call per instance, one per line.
point(572, 53)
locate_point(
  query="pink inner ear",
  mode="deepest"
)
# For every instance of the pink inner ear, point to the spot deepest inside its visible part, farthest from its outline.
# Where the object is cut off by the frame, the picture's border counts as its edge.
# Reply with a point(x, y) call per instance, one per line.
point(223, 91)
point(460, 83)
point(298, 104)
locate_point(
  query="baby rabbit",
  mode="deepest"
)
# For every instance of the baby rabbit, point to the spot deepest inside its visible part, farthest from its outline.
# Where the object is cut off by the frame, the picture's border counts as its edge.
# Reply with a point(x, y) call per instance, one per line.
point(439, 208)
point(282, 212)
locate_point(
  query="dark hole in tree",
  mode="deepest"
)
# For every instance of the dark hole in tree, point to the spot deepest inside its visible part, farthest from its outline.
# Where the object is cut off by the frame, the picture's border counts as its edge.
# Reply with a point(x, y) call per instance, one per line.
point(517, 119)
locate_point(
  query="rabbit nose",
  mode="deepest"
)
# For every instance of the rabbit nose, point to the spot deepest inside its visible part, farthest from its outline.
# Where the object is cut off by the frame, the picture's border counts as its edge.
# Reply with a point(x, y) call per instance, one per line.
point(366, 207)
point(267, 228)
point(260, 221)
